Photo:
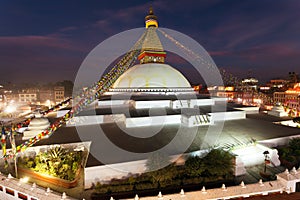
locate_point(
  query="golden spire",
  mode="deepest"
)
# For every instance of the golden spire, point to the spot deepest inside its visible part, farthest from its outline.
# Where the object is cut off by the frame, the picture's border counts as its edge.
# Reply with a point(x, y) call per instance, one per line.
point(151, 19)
point(152, 50)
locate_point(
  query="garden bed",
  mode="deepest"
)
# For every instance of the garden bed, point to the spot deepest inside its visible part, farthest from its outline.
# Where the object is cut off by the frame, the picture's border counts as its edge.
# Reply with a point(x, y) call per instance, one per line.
point(49, 179)
point(56, 165)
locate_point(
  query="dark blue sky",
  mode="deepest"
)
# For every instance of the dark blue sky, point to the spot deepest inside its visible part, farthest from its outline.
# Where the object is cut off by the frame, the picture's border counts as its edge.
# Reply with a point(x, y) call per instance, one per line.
point(48, 40)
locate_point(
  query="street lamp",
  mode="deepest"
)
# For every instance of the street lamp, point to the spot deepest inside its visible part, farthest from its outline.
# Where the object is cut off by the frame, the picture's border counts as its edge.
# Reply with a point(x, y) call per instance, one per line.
point(267, 159)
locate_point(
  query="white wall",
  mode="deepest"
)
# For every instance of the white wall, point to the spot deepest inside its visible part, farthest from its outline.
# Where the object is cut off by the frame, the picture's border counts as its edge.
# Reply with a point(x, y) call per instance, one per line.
point(152, 104)
point(109, 103)
point(192, 103)
point(105, 173)
point(180, 104)
point(249, 110)
point(202, 102)
point(95, 119)
point(61, 113)
point(277, 141)
point(224, 116)
point(239, 167)
point(289, 179)
point(152, 121)
point(253, 155)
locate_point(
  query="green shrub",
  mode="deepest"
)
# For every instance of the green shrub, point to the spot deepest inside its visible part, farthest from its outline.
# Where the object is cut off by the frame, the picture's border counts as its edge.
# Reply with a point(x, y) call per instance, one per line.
point(291, 158)
point(30, 164)
point(57, 161)
point(215, 166)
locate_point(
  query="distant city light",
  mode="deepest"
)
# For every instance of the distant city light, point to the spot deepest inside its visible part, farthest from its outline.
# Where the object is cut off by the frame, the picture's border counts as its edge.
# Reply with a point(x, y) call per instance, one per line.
point(250, 80)
point(10, 109)
point(265, 88)
point(24, 180)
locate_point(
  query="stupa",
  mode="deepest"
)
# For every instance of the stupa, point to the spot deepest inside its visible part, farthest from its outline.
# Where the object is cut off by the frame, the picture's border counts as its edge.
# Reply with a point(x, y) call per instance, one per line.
point(155, 93)
point(152, 75)
point(36, 126)
point(278, 111)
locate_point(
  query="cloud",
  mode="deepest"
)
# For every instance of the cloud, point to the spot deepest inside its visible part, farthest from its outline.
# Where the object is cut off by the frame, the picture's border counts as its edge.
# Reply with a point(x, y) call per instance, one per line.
point(35, 41)
point(38, 58)
point(220, 53)
point(247, 24)
point(68, 28)
point(270, 52)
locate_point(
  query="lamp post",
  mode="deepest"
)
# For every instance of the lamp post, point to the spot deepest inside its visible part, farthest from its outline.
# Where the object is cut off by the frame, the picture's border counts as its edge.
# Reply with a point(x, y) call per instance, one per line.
point(267, 160)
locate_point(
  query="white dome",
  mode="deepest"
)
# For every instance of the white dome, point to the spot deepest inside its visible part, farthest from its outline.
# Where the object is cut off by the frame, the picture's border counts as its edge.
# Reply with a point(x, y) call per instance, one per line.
point(39, 124)
point(151, 75)
point(36, 126)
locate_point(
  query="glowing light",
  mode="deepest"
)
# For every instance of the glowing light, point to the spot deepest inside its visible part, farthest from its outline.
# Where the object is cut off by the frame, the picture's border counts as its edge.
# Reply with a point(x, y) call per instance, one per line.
point(293, 91)
point(24, 180)
point(265, 88)
point(151, 22)
point(258, 101)
point(229, 88)
point(250, 80)
point(10, 109)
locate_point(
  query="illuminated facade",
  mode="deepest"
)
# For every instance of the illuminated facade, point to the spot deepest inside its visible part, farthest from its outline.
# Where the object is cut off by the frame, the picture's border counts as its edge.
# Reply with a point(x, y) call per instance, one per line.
point(28, 96)
point(290, 97)
point(221, 91)
point(2, 97)
point(59, 94)
point(277, 83)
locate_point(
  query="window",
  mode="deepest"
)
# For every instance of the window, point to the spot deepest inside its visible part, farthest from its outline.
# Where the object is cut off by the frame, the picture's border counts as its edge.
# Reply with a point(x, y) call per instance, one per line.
point(11, 192)
point(22, 196)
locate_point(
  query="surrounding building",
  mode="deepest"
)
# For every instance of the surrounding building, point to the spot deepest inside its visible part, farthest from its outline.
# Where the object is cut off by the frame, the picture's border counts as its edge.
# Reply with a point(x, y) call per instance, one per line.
point(59, 94)
point(29, 96)
point(221, 91)
point(249, 84)
point(246, 95)
point(277, 83)
point(46, 96)
point(2, 98)
point(290, 98)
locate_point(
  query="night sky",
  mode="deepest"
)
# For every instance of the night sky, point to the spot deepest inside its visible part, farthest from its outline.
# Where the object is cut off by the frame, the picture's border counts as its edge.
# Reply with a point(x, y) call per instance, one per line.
point(46, 41)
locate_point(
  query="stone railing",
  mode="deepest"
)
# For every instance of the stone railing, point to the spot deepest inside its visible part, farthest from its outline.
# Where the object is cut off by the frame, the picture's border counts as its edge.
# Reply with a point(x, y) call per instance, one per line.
point(12, 188)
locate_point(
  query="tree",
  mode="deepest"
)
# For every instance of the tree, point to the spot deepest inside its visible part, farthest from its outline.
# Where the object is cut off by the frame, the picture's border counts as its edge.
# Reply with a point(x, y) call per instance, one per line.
point(296, 120)
point(158, 165)
point(218, 162)
point(294, 144)
point(194, 166)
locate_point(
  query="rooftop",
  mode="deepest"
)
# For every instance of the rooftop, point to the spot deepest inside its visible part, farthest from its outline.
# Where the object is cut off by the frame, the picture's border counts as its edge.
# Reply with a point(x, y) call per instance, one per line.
point(256, 126)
